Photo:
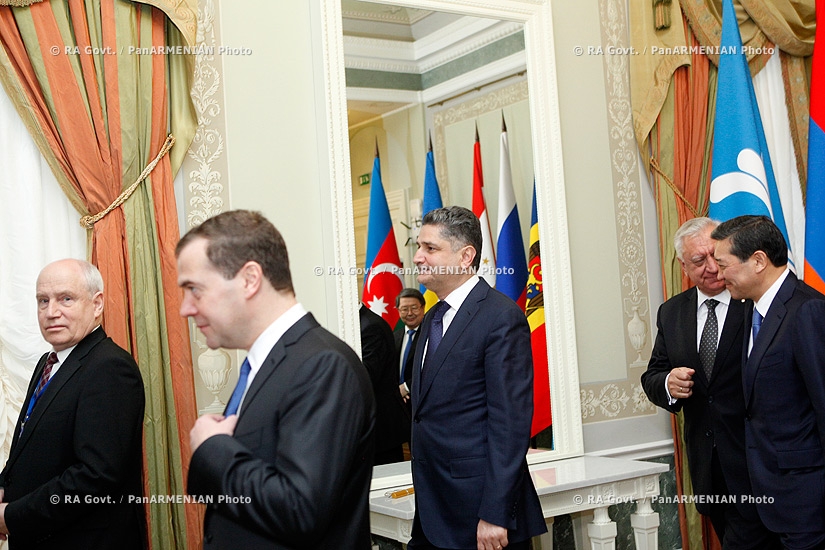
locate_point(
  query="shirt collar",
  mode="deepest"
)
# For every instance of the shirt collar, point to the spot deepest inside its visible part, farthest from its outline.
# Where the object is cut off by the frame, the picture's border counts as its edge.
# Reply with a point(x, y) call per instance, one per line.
point(270, 336)
point(765, 301)
point(723, 298)
point(457, 296)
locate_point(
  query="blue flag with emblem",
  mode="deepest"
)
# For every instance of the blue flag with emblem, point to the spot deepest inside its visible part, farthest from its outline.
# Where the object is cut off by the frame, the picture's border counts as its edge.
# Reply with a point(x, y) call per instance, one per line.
point(742, 177)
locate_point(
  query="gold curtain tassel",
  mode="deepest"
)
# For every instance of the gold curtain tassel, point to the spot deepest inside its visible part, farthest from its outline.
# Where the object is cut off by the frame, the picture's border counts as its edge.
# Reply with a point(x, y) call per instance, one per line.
point(658, 169)
point(661, 14)
point(89, 222)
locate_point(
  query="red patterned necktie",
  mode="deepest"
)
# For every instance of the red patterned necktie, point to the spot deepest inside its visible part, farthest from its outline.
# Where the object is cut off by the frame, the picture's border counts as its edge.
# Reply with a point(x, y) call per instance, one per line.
point(47, 371)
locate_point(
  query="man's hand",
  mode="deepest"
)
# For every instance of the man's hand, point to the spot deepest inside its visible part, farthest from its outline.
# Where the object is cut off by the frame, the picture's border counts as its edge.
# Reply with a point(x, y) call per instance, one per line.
point(208, 425)
point(680, 383)
point(491, 537)
point(4, 531)
point(405, 395)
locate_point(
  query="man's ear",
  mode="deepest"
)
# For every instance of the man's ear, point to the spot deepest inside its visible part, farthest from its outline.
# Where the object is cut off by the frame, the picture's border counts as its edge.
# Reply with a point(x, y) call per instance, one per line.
point(468, 254)
point(252, 277)
point(760, 260)
point(97, 303)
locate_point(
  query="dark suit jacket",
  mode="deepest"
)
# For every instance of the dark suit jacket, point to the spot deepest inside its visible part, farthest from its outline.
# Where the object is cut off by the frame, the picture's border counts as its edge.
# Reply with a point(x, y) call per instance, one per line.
point(299, 462)
point(472, 411)
point(408, 372)
point(84, 439)
point(399, 352)
point(378, 355)
point(784, 384)
point(715, 413)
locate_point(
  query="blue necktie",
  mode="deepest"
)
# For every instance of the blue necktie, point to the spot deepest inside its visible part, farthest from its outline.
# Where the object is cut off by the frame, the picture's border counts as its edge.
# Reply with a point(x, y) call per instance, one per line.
point(436, 327)
point(410, 334)
point(240, 388)
point(757, 324)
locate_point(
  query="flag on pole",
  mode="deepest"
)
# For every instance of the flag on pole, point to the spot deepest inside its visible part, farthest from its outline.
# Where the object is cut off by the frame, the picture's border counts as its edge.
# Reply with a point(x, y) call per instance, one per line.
point(382, 280)
point(431, 201)
point(511, 265)
point(487, 267)
point(542, 413)
point(815, 203)
point(742, 179)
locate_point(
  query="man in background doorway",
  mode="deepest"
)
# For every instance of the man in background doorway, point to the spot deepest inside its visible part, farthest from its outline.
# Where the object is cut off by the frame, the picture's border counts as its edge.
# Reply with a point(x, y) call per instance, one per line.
point(472, 397)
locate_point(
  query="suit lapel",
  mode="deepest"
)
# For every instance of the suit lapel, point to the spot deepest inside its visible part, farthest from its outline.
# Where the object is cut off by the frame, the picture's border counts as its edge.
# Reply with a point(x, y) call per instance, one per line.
point(730, 331)
point(689, 313)
point(770, 326)
point(65, 373)
point(462, 319)
point(276, 357)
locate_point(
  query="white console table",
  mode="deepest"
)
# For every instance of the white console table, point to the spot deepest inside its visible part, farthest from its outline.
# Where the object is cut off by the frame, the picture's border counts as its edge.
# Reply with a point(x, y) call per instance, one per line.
point(586, 484)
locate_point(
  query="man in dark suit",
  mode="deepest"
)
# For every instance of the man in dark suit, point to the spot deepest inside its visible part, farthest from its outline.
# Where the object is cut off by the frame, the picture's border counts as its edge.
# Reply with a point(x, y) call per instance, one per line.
point(783, 379)
point(289, 464)
point(696, 367)
point(74, 474)
point(472, 398)
point(410, 305)
point(379, 358)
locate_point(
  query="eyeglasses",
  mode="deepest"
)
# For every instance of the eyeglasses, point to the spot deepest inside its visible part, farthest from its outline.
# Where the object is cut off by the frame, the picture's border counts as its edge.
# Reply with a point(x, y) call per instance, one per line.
point(411, 309)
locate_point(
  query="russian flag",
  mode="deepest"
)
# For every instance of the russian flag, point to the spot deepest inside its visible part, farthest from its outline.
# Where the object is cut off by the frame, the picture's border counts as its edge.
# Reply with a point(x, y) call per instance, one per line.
point(431, 201)
point(487, 266)
point(815, 203)
point(742, 177)
point(382, 281)
point(511, 264)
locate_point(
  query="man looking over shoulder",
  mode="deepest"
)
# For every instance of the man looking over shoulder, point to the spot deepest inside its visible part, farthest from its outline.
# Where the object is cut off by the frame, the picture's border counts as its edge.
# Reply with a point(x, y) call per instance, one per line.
point(292, 454)
point(472, 399)
point(696, 367)
point(77, 453)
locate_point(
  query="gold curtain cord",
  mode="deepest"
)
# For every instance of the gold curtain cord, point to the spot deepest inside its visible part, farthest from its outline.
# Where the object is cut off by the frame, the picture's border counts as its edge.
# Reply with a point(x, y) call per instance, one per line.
point(655, 165)
point(89, 221)
point(18, 3)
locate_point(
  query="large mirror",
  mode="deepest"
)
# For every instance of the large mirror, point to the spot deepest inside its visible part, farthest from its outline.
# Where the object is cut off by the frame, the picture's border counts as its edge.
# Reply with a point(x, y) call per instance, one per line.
point(394, 70)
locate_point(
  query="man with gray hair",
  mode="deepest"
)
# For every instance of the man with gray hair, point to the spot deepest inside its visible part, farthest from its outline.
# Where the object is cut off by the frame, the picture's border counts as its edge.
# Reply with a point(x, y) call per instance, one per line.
point(696, 367)
point(76, 461)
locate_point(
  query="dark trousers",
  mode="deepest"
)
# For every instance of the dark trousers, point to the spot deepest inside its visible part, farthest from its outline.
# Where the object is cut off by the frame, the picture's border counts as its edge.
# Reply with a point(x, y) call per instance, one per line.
point(737, 531)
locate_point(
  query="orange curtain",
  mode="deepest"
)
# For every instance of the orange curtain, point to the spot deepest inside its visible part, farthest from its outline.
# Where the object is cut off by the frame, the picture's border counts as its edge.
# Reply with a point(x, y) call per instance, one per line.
point(99, 116)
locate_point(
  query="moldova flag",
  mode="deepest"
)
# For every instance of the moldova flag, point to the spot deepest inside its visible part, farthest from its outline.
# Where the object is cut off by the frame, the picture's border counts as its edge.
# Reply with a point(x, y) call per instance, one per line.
point(742, 177)
point(815, 203)
point(542, 413)
point(510, 263)
point(382, 281)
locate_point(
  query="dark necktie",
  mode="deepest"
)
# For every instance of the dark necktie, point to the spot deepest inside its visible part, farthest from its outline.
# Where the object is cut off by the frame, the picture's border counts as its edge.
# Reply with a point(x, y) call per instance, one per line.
point(757, 324)
point(240, 388)
point(47, 372)
point(436, 328)
point(410, 336)
point(710, 336)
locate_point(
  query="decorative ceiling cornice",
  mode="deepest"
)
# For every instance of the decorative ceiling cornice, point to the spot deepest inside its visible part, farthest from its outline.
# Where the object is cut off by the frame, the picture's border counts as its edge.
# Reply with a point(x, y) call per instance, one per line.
point(450, 43)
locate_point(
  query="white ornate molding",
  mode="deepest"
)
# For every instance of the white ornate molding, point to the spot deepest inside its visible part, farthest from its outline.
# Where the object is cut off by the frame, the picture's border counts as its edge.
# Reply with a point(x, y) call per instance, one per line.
point(205, 164)
point(382, 12)
point(613, 400)
point(204, 167)
point(344, 296)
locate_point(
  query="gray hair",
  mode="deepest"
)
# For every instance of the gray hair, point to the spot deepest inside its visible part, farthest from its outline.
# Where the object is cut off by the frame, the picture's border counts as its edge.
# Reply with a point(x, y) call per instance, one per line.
point(94, 280)
point(690, 229)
